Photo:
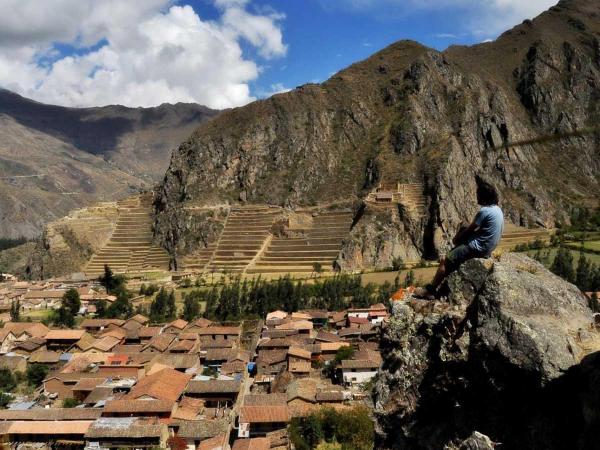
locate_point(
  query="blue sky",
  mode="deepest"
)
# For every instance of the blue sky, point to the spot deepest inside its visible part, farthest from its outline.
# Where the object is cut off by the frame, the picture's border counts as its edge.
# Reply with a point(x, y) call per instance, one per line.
point(221, 53)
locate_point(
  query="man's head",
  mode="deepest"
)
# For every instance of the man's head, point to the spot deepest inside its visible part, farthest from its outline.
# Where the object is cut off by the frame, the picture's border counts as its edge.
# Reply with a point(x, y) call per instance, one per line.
point(486, 192)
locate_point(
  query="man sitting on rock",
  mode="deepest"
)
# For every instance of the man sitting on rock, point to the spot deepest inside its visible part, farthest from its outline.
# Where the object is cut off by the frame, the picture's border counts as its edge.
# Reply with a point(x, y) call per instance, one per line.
point(477, 240)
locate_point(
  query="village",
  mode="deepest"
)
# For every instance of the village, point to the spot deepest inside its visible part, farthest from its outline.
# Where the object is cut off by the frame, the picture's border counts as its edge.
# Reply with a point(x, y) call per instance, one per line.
point(199, 384)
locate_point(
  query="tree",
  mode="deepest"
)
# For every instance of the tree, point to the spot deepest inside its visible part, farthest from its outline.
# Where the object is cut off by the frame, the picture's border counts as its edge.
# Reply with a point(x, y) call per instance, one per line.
point(72, 301)
point(344, 353)
point(101, 308)
point(15, 310)
point(5, 399)
point(142, 289)
point(107, 280)
point(69, 308)
point(563, 264)
point(70, 402)
point(409, 280)
point(171, 312)
point(158, 306)
point(121, 308)
point(397, 263)
point(191, 306)
point(36, 373)
point(7, 380)
point(584, 275)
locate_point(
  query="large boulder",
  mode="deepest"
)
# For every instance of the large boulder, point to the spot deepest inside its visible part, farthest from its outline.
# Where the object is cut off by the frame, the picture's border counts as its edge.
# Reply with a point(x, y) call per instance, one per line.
point(502, 354)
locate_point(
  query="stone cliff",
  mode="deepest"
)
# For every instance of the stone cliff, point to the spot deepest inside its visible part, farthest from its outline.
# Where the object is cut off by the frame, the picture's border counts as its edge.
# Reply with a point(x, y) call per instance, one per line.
point(522, 110)
point(511, 355)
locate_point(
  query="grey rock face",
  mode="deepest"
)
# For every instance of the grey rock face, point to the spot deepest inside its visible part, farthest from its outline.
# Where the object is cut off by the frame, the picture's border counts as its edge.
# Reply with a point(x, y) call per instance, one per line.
point(508, 354)
point(521, 111)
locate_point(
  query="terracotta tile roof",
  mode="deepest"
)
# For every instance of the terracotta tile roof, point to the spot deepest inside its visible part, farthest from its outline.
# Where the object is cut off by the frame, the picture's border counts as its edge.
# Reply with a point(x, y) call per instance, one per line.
point(330, 396)
point(131, 325)
point(51, 414)
point(97, 323)
point(354, 320)
point(99, 393)
point(218, 354)
point(180, 324)
point(187, 336)
point(206, 342)
point(202, 429)
point(300, 316)
point(218, 330)
point(44, 357)
point(128, 348)
point(265, 400)
point(139, 406)
point(118, 333)
point(38, 330)
point(213, 387)
point(299, 353)
point(73, 335)
point(299, 366)
point(105, 343)
point(184, 346)
point(359, 364)
point(140, 318)
point(305, 389)
point(232, 367)
point(44, 294)
point(168, 384)
point(215, 443)
point(50, 428)
point(296, 325)
point(317, 313)
point(160, 342)
point(325, 336)
point(252, 444)
point(177, 361)
point(276, 315)
point(88, 384)
point(200, 322)
point(333, 346)
point(264, 414)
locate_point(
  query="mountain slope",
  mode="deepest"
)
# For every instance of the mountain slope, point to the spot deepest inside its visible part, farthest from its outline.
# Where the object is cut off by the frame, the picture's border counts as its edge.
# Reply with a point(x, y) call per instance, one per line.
point(54, 159)
point(520, 110)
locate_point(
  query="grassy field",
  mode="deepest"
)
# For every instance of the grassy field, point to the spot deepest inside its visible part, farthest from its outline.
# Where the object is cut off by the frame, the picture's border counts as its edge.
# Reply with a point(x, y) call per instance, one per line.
point(588, 245)
point(551, 252)
point(422, 276)
point(36, 315)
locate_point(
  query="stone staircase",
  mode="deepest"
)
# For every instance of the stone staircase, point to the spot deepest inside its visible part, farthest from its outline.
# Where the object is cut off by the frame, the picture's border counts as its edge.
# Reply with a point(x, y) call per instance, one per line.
point(320, 243)
point(246, 230)
point(130, 247)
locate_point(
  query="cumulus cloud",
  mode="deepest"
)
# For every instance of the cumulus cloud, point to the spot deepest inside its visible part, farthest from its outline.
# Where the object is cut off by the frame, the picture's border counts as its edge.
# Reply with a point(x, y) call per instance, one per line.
point(133, 53)
point(479, 17)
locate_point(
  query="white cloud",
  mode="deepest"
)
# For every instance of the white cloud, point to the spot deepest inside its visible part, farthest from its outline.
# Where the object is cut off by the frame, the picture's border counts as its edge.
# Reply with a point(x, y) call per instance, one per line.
point(154, 51)
point(479, 17)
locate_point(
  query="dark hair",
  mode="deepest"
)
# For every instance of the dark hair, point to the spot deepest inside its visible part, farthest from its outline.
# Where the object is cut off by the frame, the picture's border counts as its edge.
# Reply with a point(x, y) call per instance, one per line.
point(486, 192)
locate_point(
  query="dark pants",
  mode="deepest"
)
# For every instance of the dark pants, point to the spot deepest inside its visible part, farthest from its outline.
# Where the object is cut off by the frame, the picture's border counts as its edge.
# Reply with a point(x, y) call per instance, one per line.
point(459, 255)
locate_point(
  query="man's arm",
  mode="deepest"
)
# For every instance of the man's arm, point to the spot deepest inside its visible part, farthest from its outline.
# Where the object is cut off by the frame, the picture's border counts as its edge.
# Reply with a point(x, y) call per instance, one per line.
point(464, 234)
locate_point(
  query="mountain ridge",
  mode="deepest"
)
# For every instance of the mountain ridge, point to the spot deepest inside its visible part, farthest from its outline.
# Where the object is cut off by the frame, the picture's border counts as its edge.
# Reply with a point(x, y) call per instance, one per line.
point(411, 114)
point(54, 159)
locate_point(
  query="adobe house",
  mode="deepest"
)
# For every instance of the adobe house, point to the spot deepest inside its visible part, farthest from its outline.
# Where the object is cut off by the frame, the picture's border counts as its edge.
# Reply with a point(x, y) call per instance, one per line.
point(215, 333)
point(257, 421)
point(139, 408)
point(215, 393)
point(63, 339)
point(357, 371)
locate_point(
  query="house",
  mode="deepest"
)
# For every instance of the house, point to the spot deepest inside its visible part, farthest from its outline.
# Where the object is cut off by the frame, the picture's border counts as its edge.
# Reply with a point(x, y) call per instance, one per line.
point(102, 345)
point(28, 346)
point(332, 396)
point(319, 317)
point(84, 387)
point(43, 432)
point(50, 414)
point(298, 360)
point(271, 362)
point(184, 346)
point(204, 433)
point(63, 339)
point(276, 315)
point(61, 384)
point(45, 357)
point(258, 420)
point(176, 326)
point(302, 326)
point(375, 314)
point(139, 318)
point(357, 371)
point(167, 384)
point(127, 432)
point(218, 332)
point(159, 344)
point(133, 371)
point(82, 344)
point(139, 408)
point(180, 362)
point(93, 326)
point(252, 444)
point(215, 357)
point(338, 319)
point(15, 332)
point(237, 363)
point(145, 334)
point(328, 350)
point(215, 393)
point(301, 397)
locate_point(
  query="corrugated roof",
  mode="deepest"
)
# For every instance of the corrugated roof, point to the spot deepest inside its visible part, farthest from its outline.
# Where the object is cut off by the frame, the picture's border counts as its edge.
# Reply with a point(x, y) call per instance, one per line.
point(129, 427)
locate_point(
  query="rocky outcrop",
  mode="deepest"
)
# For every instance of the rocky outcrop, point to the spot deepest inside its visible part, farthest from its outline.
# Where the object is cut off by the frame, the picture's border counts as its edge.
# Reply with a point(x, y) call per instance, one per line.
point(511, 352)
point(66, 245)
point(521, 111)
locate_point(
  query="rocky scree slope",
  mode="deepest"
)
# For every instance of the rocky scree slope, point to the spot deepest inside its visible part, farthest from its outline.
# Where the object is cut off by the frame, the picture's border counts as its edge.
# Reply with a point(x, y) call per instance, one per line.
point(520, 111)
point(512, 354)
point(54, 159)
